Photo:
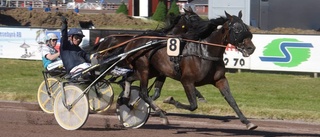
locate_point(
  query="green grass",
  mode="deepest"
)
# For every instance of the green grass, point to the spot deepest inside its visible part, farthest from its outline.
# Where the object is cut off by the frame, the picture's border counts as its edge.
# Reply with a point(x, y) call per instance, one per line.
point(259, 95)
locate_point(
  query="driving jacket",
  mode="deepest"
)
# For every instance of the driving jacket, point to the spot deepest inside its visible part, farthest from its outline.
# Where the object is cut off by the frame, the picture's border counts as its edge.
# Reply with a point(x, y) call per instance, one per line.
point(70, 54)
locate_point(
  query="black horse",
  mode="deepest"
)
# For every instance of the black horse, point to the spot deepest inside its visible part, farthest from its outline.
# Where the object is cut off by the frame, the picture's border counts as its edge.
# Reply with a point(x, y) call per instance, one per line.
point(175, 25)
point(200, 63)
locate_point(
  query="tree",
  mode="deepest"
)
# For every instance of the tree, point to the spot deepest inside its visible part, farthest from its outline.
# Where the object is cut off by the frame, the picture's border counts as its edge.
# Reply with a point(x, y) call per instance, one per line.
point(122, 9)
point(174, 9)
point(160, 13)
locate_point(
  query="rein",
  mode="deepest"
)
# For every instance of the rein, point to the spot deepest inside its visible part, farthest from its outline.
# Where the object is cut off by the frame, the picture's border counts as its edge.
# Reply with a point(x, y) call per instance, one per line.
point(156, 37)
point(123, 35)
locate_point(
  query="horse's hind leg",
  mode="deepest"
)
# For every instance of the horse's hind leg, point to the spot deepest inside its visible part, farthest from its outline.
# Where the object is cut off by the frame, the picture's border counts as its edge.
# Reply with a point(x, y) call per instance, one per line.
point(190, 92)
point(224, 88)
point(200, 97)
point(159, 81)
point(145, 96)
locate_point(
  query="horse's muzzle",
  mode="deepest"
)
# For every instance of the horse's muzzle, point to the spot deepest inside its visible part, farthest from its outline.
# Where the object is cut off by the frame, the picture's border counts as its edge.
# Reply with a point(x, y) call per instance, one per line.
point(248, 47)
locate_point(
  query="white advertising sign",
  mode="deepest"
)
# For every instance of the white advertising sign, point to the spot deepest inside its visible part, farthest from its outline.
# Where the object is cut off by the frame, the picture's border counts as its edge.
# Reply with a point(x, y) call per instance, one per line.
point(293, 53)
point(300, 53)
point(21, 43)
point(25, 43)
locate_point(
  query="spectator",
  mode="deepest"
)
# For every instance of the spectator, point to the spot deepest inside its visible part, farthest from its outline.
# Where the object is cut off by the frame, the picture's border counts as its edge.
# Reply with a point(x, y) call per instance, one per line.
point(47, 9)
point(57, 9)
point(50, 56)
point(30, 7)
point(76, 10)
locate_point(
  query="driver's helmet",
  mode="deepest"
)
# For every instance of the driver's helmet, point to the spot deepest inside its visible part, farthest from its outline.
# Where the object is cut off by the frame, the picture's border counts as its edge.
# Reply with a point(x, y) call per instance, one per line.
point(51, 36)
point(75, 31)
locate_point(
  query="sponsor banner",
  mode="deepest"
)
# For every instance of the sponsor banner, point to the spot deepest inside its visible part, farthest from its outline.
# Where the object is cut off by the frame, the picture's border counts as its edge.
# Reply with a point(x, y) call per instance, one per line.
point(26, 43)
point(299, 53)
point(22, 43)
point(233, 58)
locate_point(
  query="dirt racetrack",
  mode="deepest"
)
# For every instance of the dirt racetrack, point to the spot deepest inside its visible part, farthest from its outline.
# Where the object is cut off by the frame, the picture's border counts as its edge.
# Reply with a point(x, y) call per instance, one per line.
point(27, 120)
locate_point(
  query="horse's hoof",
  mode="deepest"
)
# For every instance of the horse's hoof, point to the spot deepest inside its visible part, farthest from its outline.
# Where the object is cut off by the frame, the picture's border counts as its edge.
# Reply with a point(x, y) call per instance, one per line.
point(165, 121)
point(251, 126)
point(202, 100)
point(168, 100)
point(160, 113)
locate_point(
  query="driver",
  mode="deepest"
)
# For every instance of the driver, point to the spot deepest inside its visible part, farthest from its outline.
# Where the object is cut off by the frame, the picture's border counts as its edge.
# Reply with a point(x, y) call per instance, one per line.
point(50, 56)
point(74, 58)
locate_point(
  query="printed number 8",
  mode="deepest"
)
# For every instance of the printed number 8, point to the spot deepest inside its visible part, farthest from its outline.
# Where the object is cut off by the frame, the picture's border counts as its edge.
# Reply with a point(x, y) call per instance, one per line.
point(173, 45)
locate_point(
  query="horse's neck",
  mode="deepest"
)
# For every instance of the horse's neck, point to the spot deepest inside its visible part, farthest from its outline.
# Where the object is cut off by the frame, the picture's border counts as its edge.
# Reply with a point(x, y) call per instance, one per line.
point(218, 37)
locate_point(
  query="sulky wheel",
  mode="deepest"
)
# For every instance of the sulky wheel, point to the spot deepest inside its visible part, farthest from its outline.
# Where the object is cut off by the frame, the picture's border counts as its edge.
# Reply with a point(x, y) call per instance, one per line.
point(46, 95)
point(138, 114)
point(100, 97)
point(76, 116)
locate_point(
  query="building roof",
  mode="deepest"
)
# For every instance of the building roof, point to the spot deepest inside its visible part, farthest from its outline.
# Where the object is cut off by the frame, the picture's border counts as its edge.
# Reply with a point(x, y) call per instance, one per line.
point(199, 2)
point(108, 1)
point(115, 1)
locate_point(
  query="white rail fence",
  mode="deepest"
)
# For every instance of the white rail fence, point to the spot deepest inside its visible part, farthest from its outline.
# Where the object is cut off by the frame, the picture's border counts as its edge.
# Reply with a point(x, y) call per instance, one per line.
point(42, 4)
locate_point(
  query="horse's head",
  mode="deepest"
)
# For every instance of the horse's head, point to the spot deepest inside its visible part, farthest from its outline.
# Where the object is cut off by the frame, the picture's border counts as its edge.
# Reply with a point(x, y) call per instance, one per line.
point(239, 34)
point(182, 23)
point(190, 16)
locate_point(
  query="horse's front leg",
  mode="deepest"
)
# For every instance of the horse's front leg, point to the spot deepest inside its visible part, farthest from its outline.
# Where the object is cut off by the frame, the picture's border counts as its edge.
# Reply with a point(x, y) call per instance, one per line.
point(224, 88)
point(159, 81)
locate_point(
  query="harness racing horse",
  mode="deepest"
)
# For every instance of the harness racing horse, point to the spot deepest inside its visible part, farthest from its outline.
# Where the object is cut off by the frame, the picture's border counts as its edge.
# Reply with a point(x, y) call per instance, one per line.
point(201, 63)
point(175, 25)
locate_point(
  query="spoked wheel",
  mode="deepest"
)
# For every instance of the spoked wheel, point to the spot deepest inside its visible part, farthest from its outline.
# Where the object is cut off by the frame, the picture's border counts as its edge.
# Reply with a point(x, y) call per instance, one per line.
point(46, 95)
point(100, 97)
point(71, 117)
point(135, 116)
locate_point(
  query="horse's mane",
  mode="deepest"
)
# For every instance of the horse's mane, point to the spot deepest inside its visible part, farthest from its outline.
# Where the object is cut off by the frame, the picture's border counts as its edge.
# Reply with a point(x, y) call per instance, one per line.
point(152, 33)
point(219, 21)
point(170, 22)
point(203, 28)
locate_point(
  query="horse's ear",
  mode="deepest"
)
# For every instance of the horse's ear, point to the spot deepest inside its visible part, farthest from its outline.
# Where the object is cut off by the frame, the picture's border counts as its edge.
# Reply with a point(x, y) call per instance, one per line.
point(186, 10)
point(190, 9)
point(227, 14)
point(240, 14)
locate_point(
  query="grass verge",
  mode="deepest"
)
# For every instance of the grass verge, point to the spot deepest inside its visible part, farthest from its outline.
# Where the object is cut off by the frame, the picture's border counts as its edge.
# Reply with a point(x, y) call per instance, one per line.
point(259, 95)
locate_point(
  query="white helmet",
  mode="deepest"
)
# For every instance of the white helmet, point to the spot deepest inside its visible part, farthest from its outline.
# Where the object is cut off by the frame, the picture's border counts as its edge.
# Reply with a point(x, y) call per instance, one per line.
point(51, 36)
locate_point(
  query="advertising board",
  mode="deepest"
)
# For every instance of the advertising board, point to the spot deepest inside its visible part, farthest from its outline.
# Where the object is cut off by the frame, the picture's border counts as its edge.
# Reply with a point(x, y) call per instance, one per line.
point(297, 53)
point(292, 53)
point(26, 43)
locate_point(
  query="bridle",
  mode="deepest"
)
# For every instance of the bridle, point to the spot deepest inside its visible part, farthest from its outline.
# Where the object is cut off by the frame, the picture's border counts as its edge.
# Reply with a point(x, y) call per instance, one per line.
point(238, 31)
point(190, 19)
